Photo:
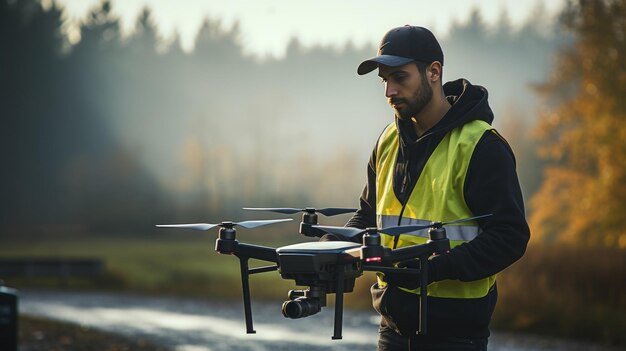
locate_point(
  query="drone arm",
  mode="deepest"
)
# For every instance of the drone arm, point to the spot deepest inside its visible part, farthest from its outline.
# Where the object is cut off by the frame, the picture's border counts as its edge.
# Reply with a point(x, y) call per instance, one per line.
point(438, 244)
point(264, 253)
point(410, 252)
point(309, 230)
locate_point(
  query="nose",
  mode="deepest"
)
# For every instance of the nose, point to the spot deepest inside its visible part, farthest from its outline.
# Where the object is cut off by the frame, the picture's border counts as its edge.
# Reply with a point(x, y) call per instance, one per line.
point(390, 89)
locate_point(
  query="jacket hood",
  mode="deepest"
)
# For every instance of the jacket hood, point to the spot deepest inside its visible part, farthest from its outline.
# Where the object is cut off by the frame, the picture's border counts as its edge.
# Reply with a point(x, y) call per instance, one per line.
point(469, 102)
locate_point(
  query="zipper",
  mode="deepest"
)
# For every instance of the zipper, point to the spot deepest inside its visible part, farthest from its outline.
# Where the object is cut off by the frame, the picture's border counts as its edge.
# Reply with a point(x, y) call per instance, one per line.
point(406, 172)
point(405, 200)
point(404, 203)
point(408, 191)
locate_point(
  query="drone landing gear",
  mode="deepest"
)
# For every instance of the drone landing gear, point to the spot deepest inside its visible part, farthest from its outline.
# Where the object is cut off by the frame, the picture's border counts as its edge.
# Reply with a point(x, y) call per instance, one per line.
point(247, 304)
point(245, 285)
point(339, 303)
point(423, 295)
point(227, 244)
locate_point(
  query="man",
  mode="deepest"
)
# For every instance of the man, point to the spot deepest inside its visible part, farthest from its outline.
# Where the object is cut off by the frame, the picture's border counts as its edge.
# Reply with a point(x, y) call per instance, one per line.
point(439, 161)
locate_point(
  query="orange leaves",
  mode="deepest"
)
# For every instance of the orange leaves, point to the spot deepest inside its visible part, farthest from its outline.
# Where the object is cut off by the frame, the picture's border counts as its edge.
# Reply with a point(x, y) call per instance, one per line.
point(583, 133)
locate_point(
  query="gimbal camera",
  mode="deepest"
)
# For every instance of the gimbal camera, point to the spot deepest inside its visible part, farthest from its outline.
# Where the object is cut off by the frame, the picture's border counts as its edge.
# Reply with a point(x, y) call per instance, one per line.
point(327, 267)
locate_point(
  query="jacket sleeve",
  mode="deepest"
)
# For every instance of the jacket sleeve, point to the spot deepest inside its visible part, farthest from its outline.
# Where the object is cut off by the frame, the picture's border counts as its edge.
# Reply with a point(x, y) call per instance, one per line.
point(491, 187)
point(365, 216)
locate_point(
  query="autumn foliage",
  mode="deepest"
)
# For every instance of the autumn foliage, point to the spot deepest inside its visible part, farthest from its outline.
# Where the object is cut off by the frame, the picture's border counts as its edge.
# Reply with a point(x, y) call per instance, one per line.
point(583, 131)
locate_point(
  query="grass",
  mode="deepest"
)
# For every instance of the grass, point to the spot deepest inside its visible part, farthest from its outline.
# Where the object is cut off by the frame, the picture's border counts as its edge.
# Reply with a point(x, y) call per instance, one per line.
point(570, 292)
point(164, 266)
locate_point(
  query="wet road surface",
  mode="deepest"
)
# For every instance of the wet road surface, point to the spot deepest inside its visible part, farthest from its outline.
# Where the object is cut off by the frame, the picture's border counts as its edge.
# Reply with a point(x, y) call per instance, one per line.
point(203, 325)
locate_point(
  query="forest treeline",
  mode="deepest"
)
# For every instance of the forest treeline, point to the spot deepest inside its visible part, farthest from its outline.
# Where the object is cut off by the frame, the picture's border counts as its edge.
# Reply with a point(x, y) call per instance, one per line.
point(118, 132)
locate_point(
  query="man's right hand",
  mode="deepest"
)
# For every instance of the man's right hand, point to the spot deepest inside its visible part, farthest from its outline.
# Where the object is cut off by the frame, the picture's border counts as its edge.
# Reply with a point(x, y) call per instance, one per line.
point(403, 279)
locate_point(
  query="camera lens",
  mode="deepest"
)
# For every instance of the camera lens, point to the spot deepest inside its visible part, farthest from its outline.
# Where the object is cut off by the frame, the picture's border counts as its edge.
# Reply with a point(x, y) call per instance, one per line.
point(301, 307)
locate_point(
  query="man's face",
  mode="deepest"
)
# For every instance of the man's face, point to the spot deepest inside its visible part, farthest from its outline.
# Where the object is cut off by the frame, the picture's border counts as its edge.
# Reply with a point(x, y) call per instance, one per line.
point(407, 90)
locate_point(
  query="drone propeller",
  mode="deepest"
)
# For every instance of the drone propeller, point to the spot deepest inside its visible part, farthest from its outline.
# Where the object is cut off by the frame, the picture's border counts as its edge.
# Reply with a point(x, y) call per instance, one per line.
point(347, 232)
point(226, 224)
point(329, 211)
point(394, 231)
point(350, 232)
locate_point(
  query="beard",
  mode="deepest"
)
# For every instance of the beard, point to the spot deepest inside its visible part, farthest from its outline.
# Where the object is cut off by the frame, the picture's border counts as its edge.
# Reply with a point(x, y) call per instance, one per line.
point(416, 103)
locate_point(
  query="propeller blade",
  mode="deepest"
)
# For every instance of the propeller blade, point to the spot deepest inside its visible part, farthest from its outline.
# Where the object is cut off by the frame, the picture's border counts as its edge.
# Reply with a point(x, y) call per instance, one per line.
point(467, 219)
point(285, 210)
point(410, 228)
point(194, 226)
point(348, 232)
point(255, 224)
point(207, 226)
point(333, 211)
point(393, 231)
point(329, 211)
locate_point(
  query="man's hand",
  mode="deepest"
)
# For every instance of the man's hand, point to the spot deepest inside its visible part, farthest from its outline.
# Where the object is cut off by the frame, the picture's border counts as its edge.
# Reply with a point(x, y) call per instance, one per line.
point(404, 279)
point(331, 237)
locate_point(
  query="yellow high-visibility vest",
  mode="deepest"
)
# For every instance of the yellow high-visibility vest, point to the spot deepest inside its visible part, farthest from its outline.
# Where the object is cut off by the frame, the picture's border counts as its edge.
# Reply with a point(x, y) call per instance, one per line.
point(437, 196)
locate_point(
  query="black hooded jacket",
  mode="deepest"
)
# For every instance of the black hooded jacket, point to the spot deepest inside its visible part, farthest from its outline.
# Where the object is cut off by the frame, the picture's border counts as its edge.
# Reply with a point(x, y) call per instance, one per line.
point(491, 187)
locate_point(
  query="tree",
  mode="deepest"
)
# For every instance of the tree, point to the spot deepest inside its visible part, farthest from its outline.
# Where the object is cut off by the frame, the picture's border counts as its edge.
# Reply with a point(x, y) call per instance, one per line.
point(145, 39)
point(100, 32)
point(583, 197)
point(215, 45)
point(30, 69)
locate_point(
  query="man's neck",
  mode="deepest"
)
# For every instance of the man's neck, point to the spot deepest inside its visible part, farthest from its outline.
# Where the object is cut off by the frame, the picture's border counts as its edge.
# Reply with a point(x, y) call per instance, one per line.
point(430, 115)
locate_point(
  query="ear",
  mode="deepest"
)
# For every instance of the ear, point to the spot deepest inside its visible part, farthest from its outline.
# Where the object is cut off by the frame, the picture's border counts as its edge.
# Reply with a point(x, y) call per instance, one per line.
point(434, 71)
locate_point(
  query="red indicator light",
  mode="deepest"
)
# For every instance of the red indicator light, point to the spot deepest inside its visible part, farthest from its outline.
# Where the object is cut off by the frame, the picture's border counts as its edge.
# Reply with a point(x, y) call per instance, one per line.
point(373, 259)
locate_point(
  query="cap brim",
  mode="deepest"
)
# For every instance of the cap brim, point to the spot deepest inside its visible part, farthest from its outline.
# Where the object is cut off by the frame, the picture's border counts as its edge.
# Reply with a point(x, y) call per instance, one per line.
point(387, 60)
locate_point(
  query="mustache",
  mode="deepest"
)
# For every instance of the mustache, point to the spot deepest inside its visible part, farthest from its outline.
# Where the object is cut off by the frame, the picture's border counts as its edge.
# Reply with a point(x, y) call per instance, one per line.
point(395, 101)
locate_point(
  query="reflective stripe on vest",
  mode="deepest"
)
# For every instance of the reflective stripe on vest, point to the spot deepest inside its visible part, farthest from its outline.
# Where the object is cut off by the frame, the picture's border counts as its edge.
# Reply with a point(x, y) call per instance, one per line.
point(454, 232)
point(437, 196)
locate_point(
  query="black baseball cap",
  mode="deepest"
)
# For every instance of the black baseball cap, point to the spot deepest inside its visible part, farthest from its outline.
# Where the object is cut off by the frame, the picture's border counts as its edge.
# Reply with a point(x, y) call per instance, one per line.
point(403, 45)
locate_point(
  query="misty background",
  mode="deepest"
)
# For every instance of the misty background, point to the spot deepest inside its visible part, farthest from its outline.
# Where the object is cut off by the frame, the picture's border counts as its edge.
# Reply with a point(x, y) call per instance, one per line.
point(116, 133)
point(106, 132)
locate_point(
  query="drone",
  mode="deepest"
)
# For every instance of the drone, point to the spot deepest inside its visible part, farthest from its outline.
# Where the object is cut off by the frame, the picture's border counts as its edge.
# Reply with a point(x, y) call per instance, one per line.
point(327, 267)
